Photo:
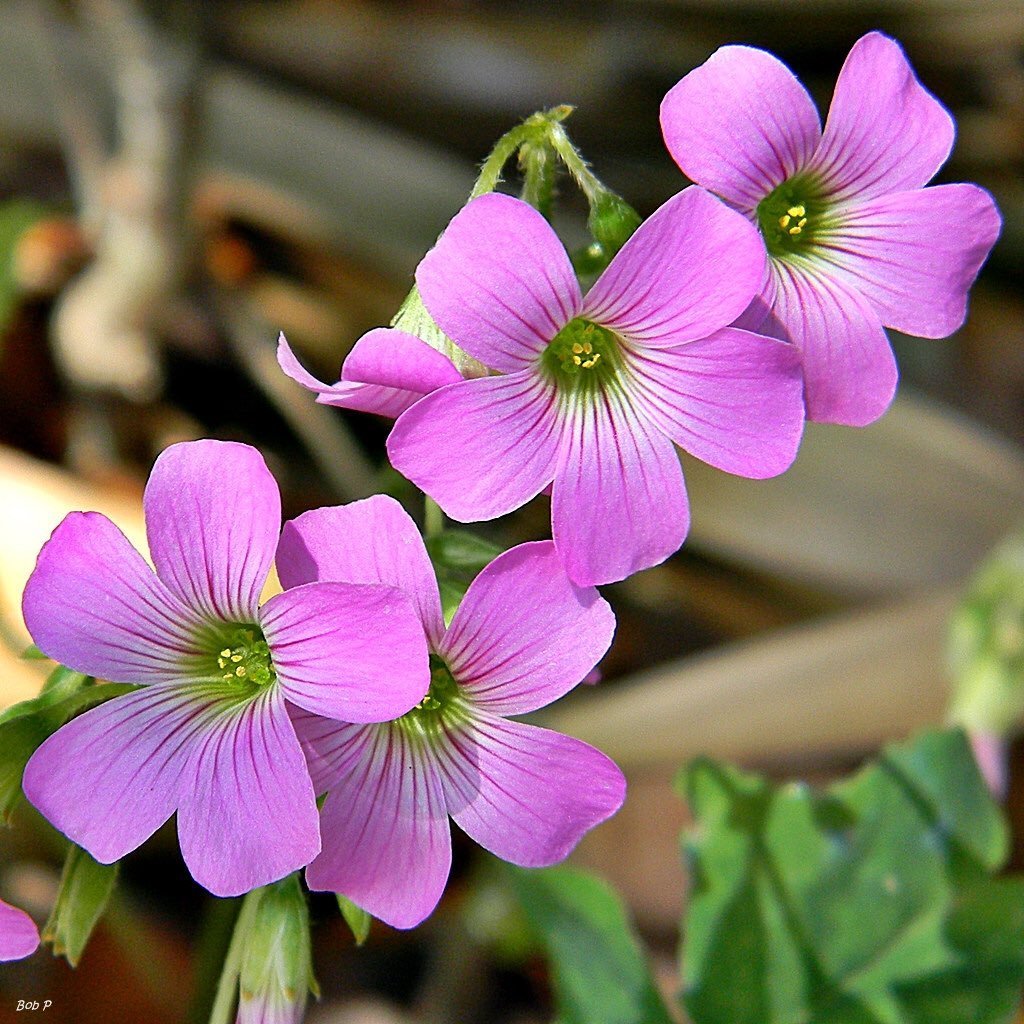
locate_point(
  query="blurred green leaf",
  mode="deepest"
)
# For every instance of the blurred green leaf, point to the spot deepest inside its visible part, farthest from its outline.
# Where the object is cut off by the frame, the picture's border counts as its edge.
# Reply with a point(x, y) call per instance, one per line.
point(25, 726)
point(598, 967)
point(16, 217)
point(85, 888)
point(986, 644)
point(356, 918)
point(872, 903)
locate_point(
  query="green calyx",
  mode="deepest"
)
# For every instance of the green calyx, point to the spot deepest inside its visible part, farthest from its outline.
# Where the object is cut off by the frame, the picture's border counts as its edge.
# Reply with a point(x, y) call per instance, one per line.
point(442, 706)
point(582, 356)
point(241, 659)
point(792, 217)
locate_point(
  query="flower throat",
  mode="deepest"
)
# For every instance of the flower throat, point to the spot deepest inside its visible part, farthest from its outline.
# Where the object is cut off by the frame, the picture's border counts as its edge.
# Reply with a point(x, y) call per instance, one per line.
point(791, 216)
point(582, 356)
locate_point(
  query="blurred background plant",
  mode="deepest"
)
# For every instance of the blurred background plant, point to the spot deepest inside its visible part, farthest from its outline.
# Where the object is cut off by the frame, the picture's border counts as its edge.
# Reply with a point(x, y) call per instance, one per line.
point(181, 180)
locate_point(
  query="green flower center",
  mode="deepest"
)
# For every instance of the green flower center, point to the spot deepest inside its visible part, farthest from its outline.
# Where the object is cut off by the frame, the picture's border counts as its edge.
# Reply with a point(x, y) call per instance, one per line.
point(443, 704)
point(243, 657)
point(792, 216)
point(582, 356)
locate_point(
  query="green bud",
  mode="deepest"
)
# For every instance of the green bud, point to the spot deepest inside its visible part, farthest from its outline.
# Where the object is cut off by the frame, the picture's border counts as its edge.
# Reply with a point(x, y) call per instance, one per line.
point(276, 958)
point(612, 220)
point(986, 645)
point(413, 318)
point(85, 888)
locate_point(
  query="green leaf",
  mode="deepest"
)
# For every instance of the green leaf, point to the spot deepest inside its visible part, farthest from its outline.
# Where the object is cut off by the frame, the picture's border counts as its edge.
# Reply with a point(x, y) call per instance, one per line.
point(25, 726)
point(60, 684)
point(458, 556)
point(872, 903)
point(85, 888)
point(599, 971)
point(356, 918)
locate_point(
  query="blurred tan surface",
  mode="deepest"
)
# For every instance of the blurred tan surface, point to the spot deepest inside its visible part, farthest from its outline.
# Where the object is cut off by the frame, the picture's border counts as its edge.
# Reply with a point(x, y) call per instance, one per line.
point(34, 498)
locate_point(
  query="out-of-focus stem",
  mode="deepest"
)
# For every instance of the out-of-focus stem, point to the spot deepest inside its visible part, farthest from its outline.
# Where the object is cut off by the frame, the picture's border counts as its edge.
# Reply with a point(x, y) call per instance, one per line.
point(433, 517)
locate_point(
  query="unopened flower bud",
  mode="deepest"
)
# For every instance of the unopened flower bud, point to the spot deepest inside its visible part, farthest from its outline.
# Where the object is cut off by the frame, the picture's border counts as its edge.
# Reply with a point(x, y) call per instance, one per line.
point(276, 968)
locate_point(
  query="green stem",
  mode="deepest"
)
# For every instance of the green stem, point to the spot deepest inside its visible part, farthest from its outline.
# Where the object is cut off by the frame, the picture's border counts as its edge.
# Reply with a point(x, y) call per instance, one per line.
point(539, 166)
point(590, 185)
point(536, 128)
point(433, 518)
point(212, 948)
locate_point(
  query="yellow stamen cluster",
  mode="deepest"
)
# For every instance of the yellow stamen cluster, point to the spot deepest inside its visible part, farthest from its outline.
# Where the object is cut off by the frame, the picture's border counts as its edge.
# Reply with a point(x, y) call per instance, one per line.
point(797, 213)
point(583, 354)
point(227, 658)
point(245, 657)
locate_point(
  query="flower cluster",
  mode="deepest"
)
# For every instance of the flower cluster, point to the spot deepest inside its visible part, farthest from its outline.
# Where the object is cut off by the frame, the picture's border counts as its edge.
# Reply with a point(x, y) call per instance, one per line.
point(749, 300)
point(229, 687)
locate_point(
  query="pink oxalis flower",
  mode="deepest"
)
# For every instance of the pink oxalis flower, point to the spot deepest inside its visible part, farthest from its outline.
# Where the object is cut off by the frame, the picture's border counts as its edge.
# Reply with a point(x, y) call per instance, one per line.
point(19, 936)
point(592, 393)
point(854, 239)
point(523, 636)
point(208, 733)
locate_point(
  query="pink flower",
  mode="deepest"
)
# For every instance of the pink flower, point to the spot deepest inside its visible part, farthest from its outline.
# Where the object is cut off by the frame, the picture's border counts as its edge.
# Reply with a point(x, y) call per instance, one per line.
point(854, 240)
point(207, 734)
point(523, 636)
point(593, 392)
point(19, 936)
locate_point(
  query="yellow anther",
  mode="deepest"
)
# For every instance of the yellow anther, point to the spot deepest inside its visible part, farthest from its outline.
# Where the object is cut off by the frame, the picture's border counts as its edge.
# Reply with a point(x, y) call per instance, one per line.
point(577, 348)
point(797, 211)
point(587, 347)
point(795, 231)
point(236, 658)
point(226, 653)
point(240, 671)
point(784, 221)
point(801, 222)
point(576, 360)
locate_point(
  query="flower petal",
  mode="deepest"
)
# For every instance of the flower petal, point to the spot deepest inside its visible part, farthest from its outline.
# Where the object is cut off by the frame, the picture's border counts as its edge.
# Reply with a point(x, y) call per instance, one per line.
point(499, 282)
point(849, 370)
point(480, 448)
point(19, 936)
point(526, 794)
point(369, 541)
point(514, 656)
point(325, 744)
point(250, 815)
point(345, 395)
point(734, 400)
point(618, 504)
point(93, 604)
point(386, 838)
point(213, 515)
point(740, 124)
point(394, 359)
point(915, 255)
point(111, 777)
point(692, 267)
point(885, 132)
point(353, 652)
